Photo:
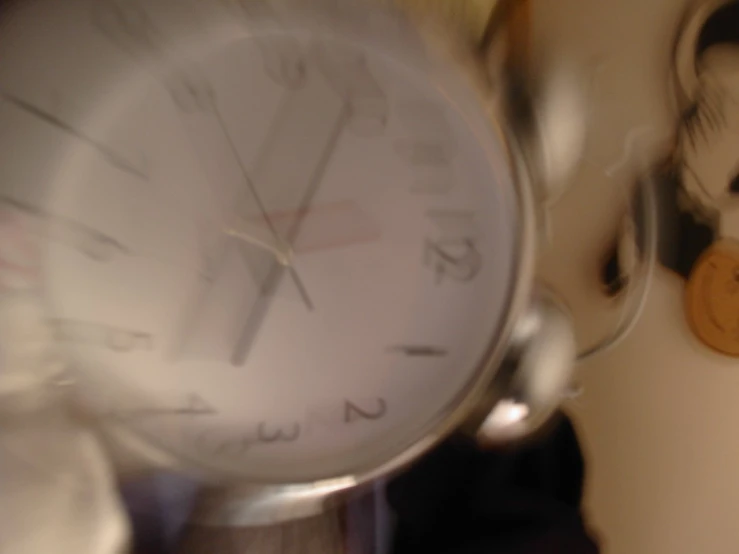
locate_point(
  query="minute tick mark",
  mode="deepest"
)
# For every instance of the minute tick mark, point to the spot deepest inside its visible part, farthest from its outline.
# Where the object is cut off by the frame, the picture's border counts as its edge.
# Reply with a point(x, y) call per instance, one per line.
point(106, 152)
point(419, 351)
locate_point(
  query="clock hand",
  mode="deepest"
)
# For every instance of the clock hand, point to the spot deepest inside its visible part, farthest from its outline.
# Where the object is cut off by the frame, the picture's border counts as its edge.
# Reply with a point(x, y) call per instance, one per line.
point(288, 166)
point(283, 255)
point(211, 320)
point(301, 112)
point(114, 158)
point(262, 211)
point(212, 317)
point(259, 311)
point(128, 25)
point(194, 97)
point(90, 242)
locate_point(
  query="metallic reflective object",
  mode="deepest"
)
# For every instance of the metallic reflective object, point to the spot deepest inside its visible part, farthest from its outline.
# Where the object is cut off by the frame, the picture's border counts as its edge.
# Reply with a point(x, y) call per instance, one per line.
point(245, 505)
point(539, 363)
point(548, 110)
point(528, 366)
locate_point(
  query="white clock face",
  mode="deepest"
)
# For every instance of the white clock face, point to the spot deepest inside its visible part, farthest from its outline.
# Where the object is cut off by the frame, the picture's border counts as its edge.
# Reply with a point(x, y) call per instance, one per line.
point(286, 259)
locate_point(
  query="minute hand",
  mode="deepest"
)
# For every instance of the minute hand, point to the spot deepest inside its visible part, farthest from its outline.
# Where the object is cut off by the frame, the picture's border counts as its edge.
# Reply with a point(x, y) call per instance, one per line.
point(290, 159)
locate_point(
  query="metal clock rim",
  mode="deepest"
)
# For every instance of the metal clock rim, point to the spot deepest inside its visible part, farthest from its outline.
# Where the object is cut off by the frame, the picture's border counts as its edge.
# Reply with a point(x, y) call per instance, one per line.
point(290, 500)
point(309, 495)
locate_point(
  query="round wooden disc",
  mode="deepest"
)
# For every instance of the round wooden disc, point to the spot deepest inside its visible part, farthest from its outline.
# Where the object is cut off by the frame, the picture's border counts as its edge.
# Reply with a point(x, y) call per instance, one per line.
point(712, 297)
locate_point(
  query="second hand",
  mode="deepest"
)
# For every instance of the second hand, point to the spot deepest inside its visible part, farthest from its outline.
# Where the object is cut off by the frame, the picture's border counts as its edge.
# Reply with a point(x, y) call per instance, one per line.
point(248, 335)
point(252, 189)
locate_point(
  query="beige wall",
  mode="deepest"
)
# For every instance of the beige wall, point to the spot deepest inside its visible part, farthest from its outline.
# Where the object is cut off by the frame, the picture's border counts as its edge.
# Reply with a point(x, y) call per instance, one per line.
point(659, 419)
point(659, 415)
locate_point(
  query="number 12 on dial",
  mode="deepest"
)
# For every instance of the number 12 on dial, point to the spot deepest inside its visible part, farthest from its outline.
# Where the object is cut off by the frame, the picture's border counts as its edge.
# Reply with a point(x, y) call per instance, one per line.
point(451, 251)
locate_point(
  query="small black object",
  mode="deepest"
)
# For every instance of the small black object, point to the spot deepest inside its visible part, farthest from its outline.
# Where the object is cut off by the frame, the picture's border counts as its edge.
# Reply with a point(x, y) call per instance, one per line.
point(523, 500)
point(734, 185)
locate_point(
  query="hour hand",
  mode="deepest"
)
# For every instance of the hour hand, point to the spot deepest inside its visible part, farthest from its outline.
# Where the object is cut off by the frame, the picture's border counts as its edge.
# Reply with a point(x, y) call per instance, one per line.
point(288, 175)
point(268, 272)
point(283, 180)
point(241, 266)
point(228, 283)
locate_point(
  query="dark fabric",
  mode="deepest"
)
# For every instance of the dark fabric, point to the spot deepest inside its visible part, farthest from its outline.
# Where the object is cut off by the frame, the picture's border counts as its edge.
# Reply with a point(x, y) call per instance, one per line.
point(525, 500)
point(684, 232)
point(721, 27)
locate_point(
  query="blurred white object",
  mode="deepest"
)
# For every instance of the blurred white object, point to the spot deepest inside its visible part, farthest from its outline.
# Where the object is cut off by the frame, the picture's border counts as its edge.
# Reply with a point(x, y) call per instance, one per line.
point(58, 492)
point(561, 122)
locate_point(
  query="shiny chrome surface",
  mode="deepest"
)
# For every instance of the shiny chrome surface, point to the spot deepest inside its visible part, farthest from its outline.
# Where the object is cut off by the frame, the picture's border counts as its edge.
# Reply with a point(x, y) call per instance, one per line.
point(245, 505)
point(539, 369)
point(240, 504)
point(535, 340)
point(539, 353)
point(277, 501)
point(548, 106)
